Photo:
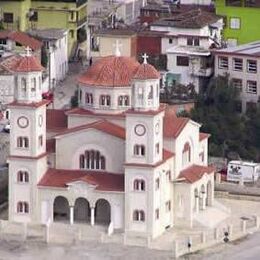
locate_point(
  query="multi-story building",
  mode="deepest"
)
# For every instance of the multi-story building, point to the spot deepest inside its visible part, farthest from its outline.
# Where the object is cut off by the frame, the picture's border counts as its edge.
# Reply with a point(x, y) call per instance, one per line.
point(242, 64)
point(187, 43)
point(242, 20)
point(33, 14)
point(55, 42)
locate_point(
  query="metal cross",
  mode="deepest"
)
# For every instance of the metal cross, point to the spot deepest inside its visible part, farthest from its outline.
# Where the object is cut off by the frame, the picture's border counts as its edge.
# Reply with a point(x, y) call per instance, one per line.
point(28, 51)
point(117, 45)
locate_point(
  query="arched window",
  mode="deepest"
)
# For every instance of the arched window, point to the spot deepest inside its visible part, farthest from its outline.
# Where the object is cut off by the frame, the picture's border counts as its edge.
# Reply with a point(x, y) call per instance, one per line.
point(139, 150)
point(123, 101)
point(139, 185)
point(22, 207)
point(105, 100)
point(120, 100)
point(22, 176)
point(23, 84)
point(138, 215)
point(89, 98)
point(22, 142)
point(33, 85)
point(126, 101)
point(150, 95)
point(186, 154)
point(82, 161)
point(92, 160)
point(40, 83)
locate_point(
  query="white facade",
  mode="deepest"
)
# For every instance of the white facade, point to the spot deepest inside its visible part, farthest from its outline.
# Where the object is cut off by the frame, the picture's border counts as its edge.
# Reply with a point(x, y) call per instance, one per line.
point(132, 170)
point(242, 64)
point(192, 44)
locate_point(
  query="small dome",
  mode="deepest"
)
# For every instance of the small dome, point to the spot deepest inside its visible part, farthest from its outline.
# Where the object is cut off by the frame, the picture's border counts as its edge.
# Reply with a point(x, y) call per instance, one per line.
point(146, 71)
point(111, 71)
point(27, 64)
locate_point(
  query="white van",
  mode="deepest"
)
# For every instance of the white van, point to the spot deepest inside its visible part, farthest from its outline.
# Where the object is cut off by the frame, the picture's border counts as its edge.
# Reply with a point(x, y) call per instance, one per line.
point(243, 171)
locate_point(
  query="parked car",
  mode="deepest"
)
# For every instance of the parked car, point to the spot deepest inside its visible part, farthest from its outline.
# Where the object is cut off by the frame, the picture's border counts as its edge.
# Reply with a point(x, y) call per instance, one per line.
point(7, 128)
point(48, 96)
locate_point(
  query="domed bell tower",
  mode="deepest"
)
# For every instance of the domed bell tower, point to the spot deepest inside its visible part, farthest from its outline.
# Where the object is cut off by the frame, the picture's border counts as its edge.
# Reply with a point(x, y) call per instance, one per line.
point(27, 160)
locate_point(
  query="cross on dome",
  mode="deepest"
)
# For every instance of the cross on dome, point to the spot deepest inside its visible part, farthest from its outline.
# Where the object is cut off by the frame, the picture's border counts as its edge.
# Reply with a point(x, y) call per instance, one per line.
point(28, 51)
point(117, 45)
point(145, 57)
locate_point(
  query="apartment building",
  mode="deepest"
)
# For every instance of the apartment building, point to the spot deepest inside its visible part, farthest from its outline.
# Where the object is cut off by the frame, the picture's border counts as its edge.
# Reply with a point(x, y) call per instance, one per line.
point(242, 64)
point(36, 14)
point(241, 19)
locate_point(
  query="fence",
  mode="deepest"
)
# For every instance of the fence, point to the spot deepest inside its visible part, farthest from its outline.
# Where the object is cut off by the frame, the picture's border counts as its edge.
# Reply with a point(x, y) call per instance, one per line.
point(180, 245)
point(189, 244)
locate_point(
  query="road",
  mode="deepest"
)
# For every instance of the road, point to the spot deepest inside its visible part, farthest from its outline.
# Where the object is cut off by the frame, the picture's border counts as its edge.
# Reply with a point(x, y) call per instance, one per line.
point(247, 248)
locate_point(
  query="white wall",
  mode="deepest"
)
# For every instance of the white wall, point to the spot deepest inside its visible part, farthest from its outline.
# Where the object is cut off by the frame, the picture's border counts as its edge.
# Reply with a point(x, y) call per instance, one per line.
point(89, 139)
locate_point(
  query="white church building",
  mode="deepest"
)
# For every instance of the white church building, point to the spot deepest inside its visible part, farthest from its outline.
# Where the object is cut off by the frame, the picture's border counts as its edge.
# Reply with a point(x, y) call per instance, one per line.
point(121, 158)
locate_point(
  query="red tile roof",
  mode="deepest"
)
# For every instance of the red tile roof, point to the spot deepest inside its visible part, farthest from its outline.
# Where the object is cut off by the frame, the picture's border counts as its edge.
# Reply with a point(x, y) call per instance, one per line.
point(101, 125)
point(166, 155)
point(146, 71)
point(204, 136)
point(102, 180)
point(27, 64)
point(56, 120)
point(21, 38)
point(51, 145)
point(111, 71)
point(172, 125)
point(195, 172)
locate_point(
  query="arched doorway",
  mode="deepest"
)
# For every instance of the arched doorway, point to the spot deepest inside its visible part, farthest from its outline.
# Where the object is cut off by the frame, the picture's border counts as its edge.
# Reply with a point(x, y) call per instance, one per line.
point(61, 210)
point(209, 194)
point(196, 200)
point(81, 210)
point(202, 197)
point(102, 212)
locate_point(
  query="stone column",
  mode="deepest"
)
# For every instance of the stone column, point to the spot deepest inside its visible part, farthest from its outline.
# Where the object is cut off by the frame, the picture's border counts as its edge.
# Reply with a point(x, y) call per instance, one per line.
point(92, 216)
point(197, 204)
point(71, 215)
point(204, 201)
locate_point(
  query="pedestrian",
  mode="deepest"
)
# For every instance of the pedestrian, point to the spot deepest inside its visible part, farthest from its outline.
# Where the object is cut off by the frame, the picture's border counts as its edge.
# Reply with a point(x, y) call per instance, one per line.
point(90, 61)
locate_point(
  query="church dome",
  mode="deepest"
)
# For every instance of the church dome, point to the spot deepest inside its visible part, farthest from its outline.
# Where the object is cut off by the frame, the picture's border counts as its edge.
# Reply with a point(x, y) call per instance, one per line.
point(146, 71)
point(110, 71)
point(27, 64)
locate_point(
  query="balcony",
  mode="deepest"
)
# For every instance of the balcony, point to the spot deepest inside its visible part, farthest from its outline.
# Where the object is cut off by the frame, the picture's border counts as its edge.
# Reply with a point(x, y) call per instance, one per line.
point(200, 72)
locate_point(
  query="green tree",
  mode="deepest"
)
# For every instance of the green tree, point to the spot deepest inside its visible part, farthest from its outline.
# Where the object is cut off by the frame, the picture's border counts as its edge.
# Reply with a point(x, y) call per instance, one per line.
point(231, 132)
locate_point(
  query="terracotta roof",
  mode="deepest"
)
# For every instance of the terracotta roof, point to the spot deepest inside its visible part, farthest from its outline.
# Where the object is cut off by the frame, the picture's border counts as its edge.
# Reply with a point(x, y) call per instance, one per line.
point(27, 64)
point(51, 145)
point(146, 71)
point(193, 19)
point(9, 62)
point(111, 71)
point(56, 119)
point(195, 172)
point(32, 104)
point(21, 38)
point(102, 180)
point(204, 136)
point(166, 155)
point(101, 125)
point(172, 125)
